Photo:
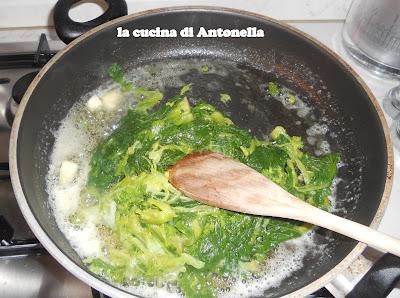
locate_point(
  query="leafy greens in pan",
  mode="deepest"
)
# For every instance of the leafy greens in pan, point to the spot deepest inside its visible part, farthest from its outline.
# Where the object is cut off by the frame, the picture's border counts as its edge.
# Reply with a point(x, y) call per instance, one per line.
point(153, 233)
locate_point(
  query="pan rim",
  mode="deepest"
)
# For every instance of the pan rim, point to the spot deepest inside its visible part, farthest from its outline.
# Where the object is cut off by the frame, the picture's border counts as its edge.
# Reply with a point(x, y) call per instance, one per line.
point(111, 290)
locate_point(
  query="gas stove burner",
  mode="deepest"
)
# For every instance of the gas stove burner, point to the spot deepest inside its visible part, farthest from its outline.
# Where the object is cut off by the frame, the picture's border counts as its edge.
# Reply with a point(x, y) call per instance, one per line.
point(9, 111)
point(33, 59)
point(17, 93)
point(20, 87)
point(18, 62)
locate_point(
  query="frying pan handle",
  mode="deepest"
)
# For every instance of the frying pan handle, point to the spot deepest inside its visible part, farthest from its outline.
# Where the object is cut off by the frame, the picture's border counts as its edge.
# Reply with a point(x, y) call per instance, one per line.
point(380, 280)
point(67, 29)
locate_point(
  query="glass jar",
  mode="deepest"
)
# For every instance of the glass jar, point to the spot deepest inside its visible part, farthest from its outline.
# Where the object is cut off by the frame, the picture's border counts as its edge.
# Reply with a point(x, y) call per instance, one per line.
point(371, 34)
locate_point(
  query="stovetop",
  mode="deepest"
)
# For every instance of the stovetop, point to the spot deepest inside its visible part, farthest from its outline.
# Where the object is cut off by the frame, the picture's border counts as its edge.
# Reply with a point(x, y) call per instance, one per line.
point(26, 269)
point(32, 272)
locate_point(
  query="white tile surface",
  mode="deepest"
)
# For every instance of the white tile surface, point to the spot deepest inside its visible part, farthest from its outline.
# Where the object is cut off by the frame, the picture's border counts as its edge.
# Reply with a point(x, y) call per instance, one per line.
point(28, 13)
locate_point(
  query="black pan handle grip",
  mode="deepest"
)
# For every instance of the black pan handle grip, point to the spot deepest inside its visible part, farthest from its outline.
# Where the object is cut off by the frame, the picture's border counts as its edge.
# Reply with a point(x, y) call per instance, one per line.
point(380, 280)
point(67, 29)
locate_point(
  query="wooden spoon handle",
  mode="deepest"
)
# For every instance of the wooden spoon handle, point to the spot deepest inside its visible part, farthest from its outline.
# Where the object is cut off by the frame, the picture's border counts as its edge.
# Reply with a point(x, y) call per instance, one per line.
point(288, 206)
point(299, 210)
point(367, 235)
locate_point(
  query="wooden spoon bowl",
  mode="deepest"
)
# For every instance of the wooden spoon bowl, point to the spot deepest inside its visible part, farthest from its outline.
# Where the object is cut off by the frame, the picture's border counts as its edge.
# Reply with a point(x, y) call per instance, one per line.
point(217, 180)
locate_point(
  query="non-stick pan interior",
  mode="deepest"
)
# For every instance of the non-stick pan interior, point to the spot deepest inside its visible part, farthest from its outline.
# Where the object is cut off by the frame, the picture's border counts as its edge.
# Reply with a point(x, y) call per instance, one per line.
point(241, 67)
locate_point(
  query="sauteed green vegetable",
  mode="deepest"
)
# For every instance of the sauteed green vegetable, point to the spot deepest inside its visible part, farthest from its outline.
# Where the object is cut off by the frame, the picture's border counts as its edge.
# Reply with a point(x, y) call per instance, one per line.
point(154, 234)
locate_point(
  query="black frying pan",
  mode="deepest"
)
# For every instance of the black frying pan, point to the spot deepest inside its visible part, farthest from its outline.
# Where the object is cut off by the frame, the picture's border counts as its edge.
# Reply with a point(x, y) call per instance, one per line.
point(337, 96)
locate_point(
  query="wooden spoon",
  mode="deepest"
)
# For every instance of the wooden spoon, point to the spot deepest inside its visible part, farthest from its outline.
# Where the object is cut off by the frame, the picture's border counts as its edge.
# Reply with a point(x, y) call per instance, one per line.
point(220, 181)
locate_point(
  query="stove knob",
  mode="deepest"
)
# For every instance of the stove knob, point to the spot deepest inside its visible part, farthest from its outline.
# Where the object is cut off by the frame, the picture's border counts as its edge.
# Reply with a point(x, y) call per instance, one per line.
point(22, 85)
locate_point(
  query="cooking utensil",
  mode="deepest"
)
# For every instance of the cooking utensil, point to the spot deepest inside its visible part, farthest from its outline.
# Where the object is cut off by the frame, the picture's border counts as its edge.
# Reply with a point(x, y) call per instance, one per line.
point(337, 99)
point(220, 181)
point(371, 34)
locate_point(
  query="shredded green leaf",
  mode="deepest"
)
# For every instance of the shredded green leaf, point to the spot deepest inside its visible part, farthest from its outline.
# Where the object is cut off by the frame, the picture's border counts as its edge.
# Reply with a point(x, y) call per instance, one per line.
point(116, 73)
point(291, 99)
point(225, 98)
point(273, 89)
point(149, 98)
point(185, 89)
point(205, 68)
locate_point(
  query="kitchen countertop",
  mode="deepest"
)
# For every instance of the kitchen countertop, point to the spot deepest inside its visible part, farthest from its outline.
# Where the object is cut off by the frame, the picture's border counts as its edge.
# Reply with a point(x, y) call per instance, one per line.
point(329, 33)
